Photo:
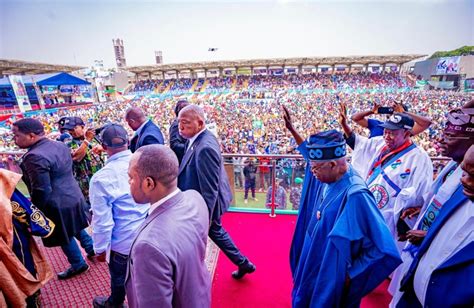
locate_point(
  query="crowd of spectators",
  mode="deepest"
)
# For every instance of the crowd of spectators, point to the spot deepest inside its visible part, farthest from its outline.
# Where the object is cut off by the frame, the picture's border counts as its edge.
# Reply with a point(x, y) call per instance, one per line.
point(183, 84)
point(146, 85)
point(254, 125)
point(255, 83)
point(220, 83)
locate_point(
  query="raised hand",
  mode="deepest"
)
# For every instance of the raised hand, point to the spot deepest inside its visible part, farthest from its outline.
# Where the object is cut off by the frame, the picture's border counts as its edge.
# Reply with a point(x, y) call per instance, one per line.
point(287, 118)
point(375, 108)
point(342, 113)
point(398, 107)
point(90, 134)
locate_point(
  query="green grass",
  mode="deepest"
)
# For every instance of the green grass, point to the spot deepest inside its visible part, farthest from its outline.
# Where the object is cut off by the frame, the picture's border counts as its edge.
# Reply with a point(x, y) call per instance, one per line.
point(239, 200)
point(260, 204)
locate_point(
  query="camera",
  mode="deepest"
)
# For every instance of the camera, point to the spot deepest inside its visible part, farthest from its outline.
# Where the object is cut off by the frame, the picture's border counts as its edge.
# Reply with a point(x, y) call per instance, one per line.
point(97, 131)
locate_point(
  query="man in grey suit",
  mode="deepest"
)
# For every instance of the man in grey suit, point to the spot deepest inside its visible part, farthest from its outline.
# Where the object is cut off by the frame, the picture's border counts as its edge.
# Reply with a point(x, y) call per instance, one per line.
point(202, 169)
point(166, 264)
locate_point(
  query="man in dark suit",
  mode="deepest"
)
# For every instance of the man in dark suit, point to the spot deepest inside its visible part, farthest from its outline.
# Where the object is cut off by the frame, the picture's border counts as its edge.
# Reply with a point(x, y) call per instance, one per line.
point(177, 142)
point(202, 169)
point(47, 172)
point(146, 132)
point(166, 264)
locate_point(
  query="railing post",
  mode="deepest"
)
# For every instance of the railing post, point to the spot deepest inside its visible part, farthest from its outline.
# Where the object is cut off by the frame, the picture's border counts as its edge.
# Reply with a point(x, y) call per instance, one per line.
point(272, 205)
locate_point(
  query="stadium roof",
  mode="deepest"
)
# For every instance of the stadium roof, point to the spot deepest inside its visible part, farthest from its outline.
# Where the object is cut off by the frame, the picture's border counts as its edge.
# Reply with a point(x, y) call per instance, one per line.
point(17, 67)
point(279, 62)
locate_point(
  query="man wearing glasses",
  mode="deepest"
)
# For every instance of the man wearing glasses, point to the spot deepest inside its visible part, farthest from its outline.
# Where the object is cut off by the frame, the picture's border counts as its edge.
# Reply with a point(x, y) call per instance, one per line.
point(458, 137)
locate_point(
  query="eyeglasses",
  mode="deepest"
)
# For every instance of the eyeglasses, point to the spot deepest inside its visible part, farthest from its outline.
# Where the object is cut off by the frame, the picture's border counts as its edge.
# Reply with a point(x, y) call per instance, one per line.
point(316, 166)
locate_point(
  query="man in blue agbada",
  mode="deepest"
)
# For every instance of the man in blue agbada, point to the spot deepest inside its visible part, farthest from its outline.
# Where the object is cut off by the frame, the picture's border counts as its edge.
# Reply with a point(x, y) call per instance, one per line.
point(347, 248)
point(309, 194)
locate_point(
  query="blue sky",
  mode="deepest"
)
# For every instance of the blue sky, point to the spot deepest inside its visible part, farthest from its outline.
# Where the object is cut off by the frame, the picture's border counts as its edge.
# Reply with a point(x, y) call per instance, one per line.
point(79, 32)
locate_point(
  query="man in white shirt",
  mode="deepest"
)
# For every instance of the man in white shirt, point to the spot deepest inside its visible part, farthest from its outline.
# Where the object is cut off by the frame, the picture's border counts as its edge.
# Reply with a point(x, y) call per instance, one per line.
point(116, 215)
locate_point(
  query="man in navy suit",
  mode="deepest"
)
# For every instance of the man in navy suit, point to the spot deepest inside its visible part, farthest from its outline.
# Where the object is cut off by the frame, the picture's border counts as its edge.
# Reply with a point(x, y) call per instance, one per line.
point(202, 169)
point(146, 132)
point(442, 271)
point(177, 142)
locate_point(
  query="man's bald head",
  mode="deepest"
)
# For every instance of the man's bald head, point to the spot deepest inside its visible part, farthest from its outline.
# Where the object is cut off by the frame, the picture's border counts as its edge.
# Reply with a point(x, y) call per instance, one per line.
point(159, 162)
point(153, 173)
point(191, 121)
point(135, 117)
point(194, 111)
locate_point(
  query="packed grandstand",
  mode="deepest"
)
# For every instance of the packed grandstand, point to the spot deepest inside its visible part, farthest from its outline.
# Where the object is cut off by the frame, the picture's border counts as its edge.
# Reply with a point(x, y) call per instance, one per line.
point(245, 112)
point(247, 109)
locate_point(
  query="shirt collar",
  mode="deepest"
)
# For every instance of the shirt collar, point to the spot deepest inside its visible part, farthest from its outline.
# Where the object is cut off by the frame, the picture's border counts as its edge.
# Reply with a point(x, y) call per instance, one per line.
point(192, 139)
point(139, 130)
point(119, 155)
point(155, 205)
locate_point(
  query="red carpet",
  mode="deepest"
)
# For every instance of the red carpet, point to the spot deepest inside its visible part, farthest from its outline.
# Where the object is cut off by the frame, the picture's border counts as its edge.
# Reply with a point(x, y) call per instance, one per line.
point(81, 290)
point(75, 292)
point(266, 241)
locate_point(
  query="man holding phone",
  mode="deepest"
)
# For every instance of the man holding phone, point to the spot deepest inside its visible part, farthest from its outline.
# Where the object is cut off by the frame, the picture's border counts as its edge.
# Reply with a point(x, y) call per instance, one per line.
point(397, 171)
point(361, 118)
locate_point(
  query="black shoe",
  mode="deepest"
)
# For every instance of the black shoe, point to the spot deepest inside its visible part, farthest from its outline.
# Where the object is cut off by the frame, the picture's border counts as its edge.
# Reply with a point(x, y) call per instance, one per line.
point(103, 302)
point(91, 255)
point(71, 272)
point(246, 268)
point(100, 301)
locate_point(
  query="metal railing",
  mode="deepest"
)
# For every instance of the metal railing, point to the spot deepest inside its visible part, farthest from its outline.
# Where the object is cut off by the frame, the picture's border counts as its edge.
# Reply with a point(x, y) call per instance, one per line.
point(283, 169)
point(271, 187)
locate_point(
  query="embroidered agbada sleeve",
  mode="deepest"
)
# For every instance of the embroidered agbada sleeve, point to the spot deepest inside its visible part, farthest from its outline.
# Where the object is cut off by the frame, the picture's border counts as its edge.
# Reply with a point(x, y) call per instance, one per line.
point(363, 245)
point(416, 189)
point(364, 153)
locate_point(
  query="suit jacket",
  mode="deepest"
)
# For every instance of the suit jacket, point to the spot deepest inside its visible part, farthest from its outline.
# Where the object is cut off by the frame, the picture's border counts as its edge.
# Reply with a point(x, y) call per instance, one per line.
point(47, 172)
point(166, 263)
point(451, 283)
point(150, 134)
point(202, 169)
point(177, 143)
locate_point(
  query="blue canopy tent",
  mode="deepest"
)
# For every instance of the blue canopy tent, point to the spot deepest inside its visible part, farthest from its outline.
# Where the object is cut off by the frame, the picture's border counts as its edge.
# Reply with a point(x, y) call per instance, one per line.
point(7, 96)
point(55, 79)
